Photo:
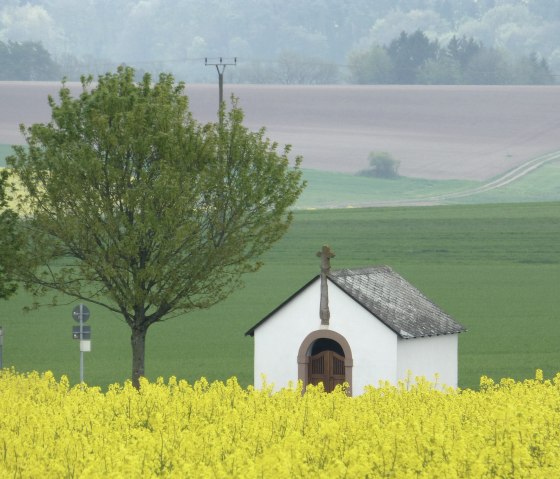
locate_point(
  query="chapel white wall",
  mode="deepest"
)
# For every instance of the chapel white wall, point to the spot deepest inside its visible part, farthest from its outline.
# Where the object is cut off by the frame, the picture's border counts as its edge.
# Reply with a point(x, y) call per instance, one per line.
point(428, 356)
point(374, 345)
point(277, 340)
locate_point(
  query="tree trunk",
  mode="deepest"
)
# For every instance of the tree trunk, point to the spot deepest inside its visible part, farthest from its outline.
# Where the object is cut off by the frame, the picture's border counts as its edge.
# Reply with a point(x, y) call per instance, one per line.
point(138, 342)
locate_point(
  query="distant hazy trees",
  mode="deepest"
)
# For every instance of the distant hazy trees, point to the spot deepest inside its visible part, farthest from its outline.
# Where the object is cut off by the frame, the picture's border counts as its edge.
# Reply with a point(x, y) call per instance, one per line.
point(408, 59)
point(319, 41)
point(371, 66)
point(415, 59)
point(324, 34)
point(381, 165)
point(27, 61)
point(409, 53)
point(289, 68)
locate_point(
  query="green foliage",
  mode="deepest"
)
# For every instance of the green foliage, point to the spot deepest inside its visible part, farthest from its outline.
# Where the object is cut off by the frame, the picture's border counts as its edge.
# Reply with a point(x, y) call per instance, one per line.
point(382, 165)
point(532, 70)
point(409, 53)
point(440, 71)
point(11, 240)
point(137, 207)
point(462, 50)
point(5, 150)
point(415, 59)
point(371, 66)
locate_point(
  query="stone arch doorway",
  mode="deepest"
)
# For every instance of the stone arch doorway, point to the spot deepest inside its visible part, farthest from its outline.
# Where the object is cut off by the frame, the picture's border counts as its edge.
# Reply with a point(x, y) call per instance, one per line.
point(325, 356)
point(326, 364)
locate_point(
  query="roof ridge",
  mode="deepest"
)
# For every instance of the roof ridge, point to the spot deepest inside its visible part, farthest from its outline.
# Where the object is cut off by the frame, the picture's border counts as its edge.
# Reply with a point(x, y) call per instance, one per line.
point(363, 270)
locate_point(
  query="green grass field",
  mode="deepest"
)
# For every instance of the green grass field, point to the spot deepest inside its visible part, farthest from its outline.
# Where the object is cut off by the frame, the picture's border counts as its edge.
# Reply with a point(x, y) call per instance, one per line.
point(332, 190)
point(543, 184)
point(340, 190)
point(495, 268)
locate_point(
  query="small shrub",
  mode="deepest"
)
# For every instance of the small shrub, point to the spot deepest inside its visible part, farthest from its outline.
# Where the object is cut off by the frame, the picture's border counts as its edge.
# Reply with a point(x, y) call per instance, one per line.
point(382, 165)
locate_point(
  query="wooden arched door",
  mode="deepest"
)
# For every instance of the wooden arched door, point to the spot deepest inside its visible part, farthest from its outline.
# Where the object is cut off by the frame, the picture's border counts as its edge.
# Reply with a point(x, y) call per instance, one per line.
point(326, 364)
point(327, 367)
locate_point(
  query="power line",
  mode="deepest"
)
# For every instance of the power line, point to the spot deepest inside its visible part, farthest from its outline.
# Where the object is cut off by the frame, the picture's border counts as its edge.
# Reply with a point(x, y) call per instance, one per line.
point(221, 62)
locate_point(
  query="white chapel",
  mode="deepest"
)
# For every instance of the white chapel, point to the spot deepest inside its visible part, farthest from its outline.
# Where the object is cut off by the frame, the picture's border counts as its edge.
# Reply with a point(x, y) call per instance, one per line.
point(359, 326)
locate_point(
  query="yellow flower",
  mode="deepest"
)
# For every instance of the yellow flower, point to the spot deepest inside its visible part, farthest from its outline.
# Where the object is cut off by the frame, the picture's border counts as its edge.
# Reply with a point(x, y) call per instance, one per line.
point(174, 429)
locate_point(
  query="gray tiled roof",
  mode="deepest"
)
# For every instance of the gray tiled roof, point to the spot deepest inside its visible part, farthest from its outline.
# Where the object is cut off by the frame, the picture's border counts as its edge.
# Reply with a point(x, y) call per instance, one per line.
point(395, 302)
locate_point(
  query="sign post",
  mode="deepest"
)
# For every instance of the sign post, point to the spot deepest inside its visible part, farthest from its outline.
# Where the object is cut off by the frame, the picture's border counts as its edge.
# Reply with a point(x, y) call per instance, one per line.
point(81, 314)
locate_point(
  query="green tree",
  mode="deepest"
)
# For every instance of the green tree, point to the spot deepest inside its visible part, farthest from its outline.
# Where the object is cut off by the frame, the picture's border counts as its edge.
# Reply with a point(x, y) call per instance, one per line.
point(382, 165)
point(462, 50)
point(532, 70)
point(409, 53)
point(488, 67)
point(442, 71)
point(10, 240)
point(372, 66)
point(137, 207)
point(26, 61)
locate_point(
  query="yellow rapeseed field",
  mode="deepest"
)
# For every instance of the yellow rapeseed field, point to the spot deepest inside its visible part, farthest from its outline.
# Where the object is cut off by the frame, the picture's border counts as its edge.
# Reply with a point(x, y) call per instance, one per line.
point(175, 429)
point(15, 189)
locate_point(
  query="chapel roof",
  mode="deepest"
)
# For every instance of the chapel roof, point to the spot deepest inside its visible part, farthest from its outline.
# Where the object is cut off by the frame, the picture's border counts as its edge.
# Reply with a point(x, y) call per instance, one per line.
point(395, 302)
point(391, 299)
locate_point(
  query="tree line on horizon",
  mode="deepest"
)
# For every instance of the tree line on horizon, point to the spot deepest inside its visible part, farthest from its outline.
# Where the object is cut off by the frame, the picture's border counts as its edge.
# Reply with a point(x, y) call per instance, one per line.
point(27, 61)
point(415, 59)
point(409, 59)
point(291, 42)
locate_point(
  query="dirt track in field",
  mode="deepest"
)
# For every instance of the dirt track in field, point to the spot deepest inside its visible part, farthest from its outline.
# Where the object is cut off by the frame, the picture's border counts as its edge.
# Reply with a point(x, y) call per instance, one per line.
point(466, 132)
point(502, 180)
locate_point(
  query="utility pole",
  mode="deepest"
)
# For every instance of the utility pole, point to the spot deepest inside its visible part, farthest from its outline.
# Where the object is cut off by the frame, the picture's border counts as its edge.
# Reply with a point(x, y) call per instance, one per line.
point(220, 66)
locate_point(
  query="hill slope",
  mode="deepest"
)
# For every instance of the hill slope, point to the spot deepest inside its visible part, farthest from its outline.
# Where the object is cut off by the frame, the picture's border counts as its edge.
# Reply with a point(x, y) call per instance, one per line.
point(437, 132)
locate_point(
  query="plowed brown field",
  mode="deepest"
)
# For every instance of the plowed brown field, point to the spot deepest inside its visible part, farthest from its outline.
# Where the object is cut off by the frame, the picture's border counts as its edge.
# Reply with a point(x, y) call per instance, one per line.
point(467, 132)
